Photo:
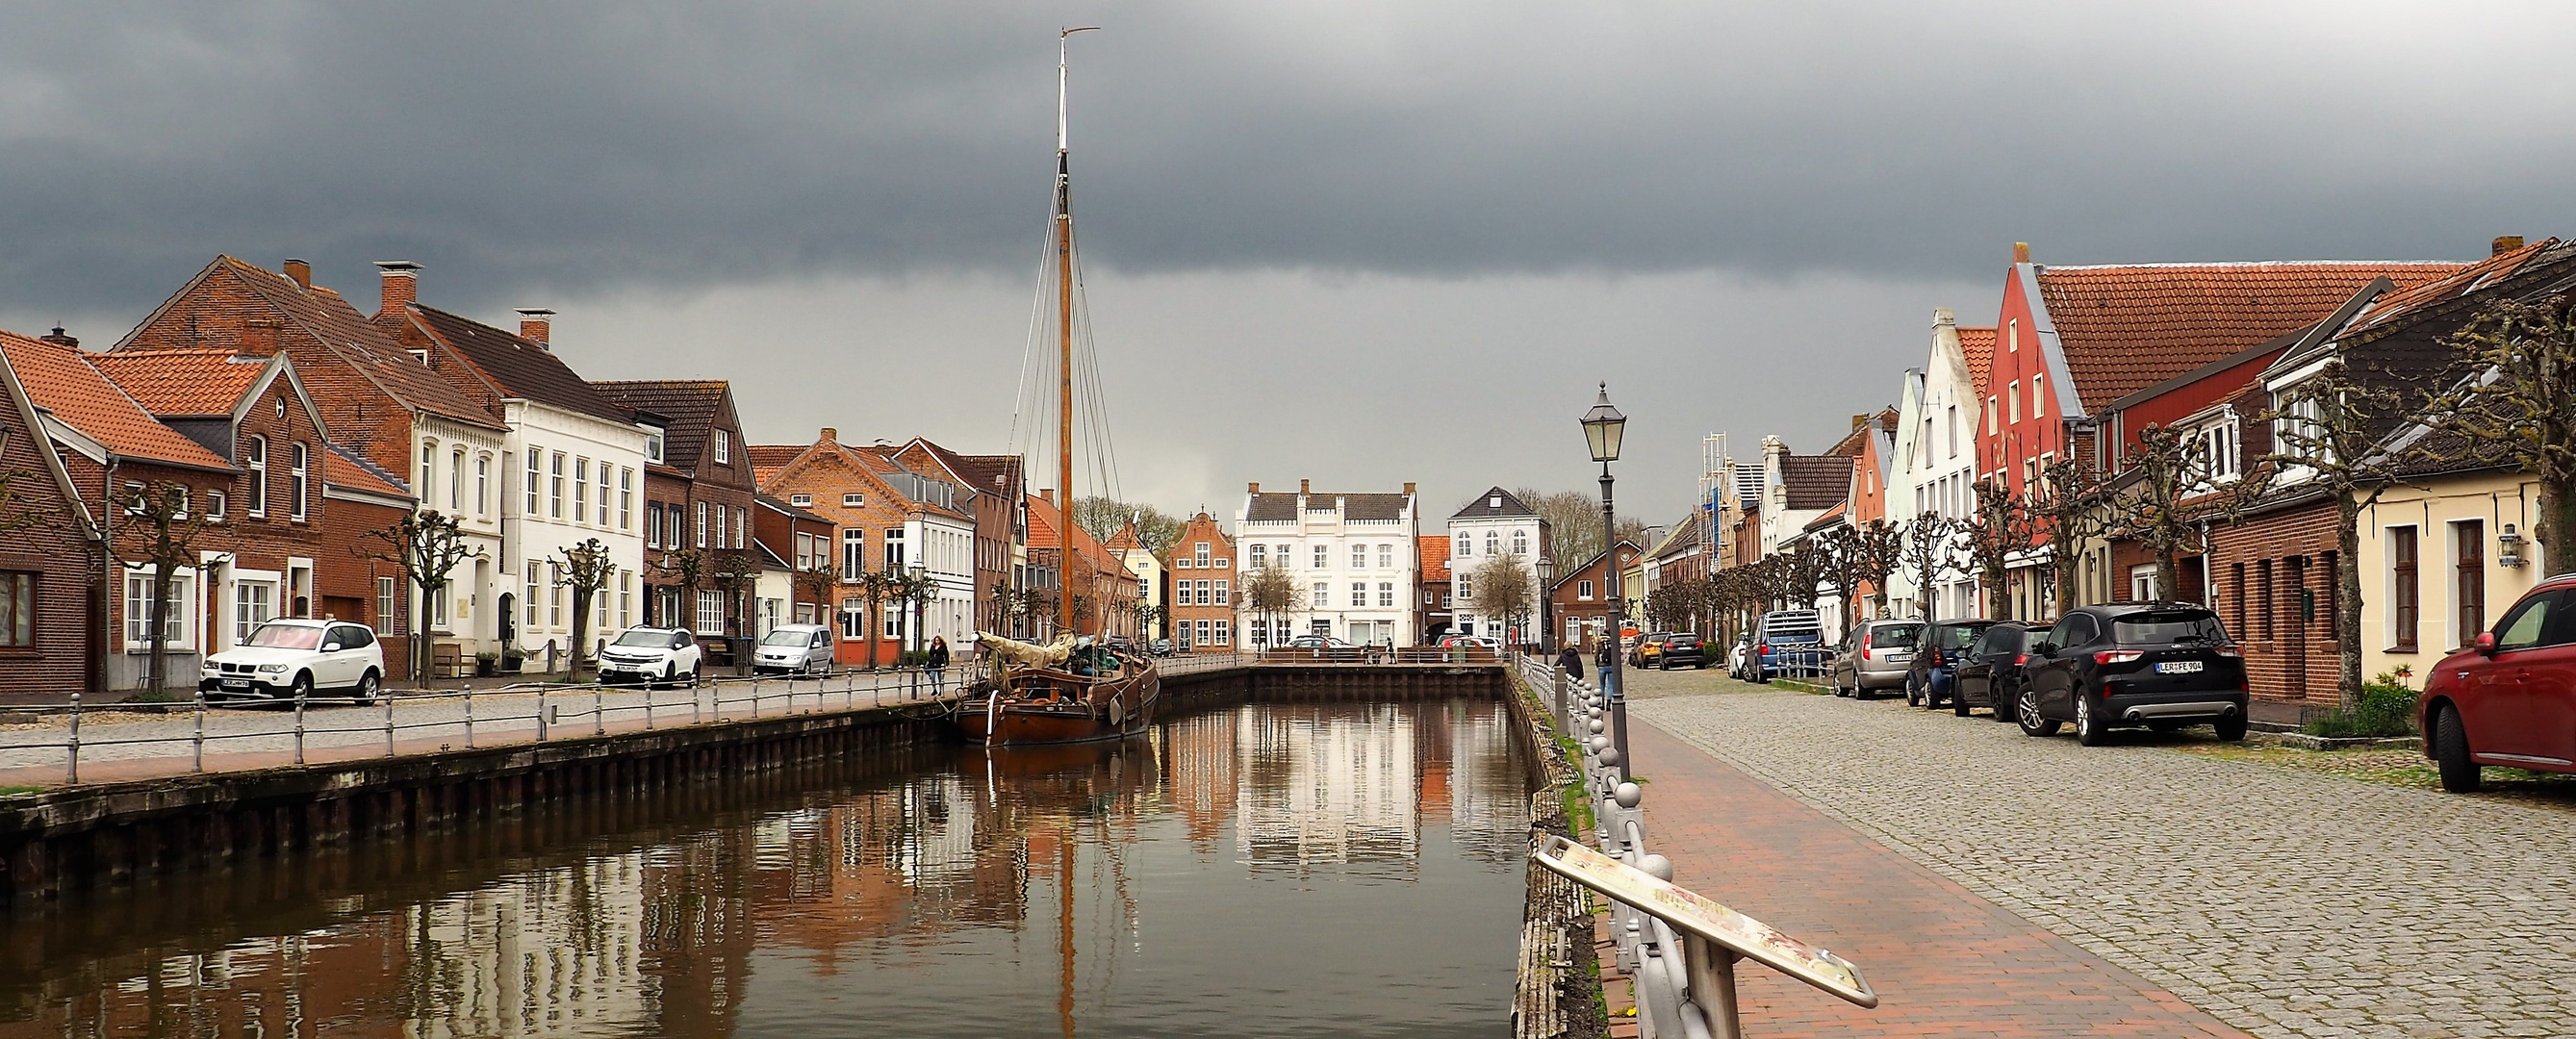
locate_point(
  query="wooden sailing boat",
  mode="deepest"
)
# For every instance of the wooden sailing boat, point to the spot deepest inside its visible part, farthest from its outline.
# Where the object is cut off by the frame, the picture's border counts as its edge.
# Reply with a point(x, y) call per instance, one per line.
point(1077, 688)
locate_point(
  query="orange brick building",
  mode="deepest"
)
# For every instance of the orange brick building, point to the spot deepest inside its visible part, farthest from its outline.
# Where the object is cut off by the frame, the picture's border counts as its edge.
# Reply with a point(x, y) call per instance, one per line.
point(1204, 582)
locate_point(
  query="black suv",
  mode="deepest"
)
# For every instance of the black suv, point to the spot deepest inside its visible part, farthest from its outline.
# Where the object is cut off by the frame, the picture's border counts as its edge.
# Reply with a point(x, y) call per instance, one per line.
point(1935, 674)
point(1990, 671)
point(2159, 664)
point(1681, 648)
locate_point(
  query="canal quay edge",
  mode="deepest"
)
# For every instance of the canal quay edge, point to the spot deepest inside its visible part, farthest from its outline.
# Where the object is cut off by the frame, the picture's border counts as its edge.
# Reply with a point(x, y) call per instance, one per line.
point(1559, 989)
point(105, 835)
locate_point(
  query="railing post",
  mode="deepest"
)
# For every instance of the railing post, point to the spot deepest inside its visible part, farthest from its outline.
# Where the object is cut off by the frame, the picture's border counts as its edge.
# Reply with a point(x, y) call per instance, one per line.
point(648, 706)
point(299, 725)
point(198, 763)
point(598, 709)
point(541, 713)
point(389, 720)
point(74, 775)
point(469, 717)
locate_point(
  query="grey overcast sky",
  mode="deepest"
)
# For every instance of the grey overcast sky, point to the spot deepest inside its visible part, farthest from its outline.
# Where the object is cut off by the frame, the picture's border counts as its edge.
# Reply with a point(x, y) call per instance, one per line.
point(1360, 243)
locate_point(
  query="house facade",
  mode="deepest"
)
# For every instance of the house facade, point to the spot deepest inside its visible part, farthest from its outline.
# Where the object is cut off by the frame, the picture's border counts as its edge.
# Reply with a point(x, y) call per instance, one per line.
point(1438, 601)
point(796, 564)
point(1349, 552)
point(1935, 468)
point(700, 510)
point(1204, 584)
point(1493, 526)
point(1580, 598)
point(989, 488)
point(887, 520)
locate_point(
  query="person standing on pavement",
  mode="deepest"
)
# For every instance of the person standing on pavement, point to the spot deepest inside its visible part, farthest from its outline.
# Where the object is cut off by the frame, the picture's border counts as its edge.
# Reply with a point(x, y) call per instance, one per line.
point(1572, 661)
point(1603, 660)
point(938, 665)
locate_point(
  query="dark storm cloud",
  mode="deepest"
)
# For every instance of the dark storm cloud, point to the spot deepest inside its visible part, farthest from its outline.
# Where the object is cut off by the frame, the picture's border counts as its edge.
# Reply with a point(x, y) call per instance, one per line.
point(581, 147)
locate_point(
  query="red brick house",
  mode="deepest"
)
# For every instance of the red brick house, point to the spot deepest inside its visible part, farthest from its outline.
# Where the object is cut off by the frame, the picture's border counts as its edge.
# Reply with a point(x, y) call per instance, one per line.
point(696, 463)
point(886, 518)
point(1203, 590)
point(794, 541)
point(2072, 341)
point(1098, 576)
point(1580, 598)
point(52, 592)
point(994, 493)
point(1436, 582)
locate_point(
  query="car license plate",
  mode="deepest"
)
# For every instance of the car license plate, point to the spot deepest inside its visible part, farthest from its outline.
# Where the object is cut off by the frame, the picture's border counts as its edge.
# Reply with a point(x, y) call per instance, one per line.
point(2178, 667)
point(236, 683)
point(1899, 658)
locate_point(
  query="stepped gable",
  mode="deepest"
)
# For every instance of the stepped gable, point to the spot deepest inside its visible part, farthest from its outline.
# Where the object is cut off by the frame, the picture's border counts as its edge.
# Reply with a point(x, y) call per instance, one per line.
point(518, 367)
point(62, 383)
point(2127, 327)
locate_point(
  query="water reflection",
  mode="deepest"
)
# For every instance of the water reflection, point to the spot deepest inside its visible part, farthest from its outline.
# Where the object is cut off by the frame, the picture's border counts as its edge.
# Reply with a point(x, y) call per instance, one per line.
point(1268, 869)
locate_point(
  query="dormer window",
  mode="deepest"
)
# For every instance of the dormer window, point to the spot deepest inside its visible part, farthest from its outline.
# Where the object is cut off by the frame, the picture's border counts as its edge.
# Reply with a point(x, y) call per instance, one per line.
point(422, 356)
point(852, 501)
point(653, 446)
point(800, 500)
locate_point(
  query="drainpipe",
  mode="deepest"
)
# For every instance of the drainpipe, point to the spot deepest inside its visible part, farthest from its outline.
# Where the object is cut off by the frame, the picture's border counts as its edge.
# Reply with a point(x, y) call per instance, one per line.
point(111, 580)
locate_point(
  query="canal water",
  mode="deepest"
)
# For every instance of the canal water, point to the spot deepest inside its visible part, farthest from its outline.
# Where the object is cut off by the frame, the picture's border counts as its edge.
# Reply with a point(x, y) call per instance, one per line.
point(1259, 870)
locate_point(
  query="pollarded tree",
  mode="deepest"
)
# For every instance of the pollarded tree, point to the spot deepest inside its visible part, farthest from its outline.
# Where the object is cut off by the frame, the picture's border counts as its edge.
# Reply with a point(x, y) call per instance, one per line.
point(2326, 432)
point(2511, 392)
point(160, 532)
point(2067, 506)
point(1877, 548)
point(586, 568)
point(1271, 592)
point(2170, 485)
point(1931, 550)
point(427, 547)
point(1503, 586)
point(2002, 528)
point(1802, 574)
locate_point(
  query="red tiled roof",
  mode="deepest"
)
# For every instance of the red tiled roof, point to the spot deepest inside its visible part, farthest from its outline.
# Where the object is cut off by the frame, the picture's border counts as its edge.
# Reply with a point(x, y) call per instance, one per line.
point(1816, 481)
point(1829, 516)
point(1435, 556)
point(2124, 328)
point(344, 470)
point(2403, 300)
point(1978, 346)
point(63, 383)
point(182, 382)
point(768, 459)
point(1125, 539)
point(367, 348)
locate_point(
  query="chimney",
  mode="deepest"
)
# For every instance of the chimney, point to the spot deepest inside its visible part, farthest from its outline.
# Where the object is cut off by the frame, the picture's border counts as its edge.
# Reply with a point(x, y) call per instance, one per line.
point(1408, 487)
point(401, 284)
point(58, 338)
point(535, 324)
point(830, 435)
point(2021, 252)
point(2505, 244)
point(1305, 486)
point(1943, 318)
point(1252, 488)
point(259, 337)
point(1047, 494)
point(301, 272)
point(1859, 421)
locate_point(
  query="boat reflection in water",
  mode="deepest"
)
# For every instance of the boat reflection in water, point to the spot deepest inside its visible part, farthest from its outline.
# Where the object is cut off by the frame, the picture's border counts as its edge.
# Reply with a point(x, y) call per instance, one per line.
point(1261, 870)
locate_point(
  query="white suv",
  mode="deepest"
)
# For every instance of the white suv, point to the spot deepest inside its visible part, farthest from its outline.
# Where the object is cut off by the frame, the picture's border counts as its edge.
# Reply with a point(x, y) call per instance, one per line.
point(650, 655)
point(285, 659)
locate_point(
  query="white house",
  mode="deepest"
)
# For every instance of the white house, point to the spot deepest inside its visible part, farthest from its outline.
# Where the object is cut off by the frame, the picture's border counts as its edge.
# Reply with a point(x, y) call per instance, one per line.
point(572, 469)
point(1496, 525)
point(1353, 555)
point(1936, 457)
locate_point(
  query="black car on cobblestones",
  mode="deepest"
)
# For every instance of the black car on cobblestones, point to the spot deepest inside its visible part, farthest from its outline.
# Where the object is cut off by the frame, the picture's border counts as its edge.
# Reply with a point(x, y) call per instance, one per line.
point(2159, 664)
point(1682, 649)
point(1989, 672)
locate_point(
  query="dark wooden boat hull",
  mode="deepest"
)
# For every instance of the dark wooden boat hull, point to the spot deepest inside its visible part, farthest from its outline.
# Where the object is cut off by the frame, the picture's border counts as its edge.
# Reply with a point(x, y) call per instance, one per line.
point(1106, 710)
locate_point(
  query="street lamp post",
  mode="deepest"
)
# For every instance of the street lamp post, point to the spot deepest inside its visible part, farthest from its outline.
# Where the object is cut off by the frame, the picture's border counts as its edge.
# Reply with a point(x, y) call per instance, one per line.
point(1546, 590)
point(1602, 428)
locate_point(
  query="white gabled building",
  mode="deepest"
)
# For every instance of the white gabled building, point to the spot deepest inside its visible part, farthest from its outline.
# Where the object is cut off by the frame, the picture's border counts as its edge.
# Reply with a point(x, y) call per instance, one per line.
point(1353, 556)
point(1936, 459)
point(572, 469)
point(1496, 525)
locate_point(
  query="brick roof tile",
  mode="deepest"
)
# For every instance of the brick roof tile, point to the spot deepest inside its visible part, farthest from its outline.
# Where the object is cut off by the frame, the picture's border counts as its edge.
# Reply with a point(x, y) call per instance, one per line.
point(2124, 328)
point(1977, 345)
point(692, 406)
point(1435, 556)
point(1816, 481)
point(182, 382)
point(63, 383)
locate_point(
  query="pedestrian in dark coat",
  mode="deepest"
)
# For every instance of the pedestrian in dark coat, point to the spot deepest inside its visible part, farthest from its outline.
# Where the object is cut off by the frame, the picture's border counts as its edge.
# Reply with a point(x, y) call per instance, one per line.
point(938, 664)
point(1572, 661)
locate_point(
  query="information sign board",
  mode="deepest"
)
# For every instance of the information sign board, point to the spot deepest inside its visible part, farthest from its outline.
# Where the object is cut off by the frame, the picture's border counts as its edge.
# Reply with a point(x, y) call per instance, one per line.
point(1687, 912)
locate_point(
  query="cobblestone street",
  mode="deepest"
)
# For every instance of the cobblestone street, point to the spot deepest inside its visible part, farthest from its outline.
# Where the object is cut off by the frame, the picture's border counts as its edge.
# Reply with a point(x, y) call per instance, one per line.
point(2281, 901)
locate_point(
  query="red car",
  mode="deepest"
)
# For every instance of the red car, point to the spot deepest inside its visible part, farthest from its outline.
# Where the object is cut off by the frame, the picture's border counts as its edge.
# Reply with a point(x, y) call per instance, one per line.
point(2509, 698)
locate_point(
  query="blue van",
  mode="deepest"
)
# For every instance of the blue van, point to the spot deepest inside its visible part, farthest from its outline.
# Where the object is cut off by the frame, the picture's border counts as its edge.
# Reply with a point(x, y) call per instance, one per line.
point(1788, 642)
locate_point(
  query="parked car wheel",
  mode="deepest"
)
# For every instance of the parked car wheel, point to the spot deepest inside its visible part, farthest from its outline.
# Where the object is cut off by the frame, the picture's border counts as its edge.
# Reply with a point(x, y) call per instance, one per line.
point(302, 688)
point(2230, 730)
point(670, 675)
point(2460, 774)
point(1995, 697)
point(2026, 711)
point(1913, 692)
point(367, 687)
point(1958, 703)
point(2090, 727)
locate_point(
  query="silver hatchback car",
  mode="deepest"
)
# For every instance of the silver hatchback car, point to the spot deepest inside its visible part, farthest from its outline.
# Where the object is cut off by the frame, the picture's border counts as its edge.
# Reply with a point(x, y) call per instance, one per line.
point(1875, 655)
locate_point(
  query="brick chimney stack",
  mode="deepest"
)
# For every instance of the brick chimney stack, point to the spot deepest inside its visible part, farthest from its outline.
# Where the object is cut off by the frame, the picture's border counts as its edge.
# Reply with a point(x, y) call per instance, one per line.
point(535, 324)
point(1305, 486)
point(2505, 244)
point(1252, 488)
point(1408, 487)
point(1942, 317)
point(2021, 252)
point(401, 280)
point(1047, 494)
point(259, 337)
point(301, 273)
point(829, 435)
point(62, 339)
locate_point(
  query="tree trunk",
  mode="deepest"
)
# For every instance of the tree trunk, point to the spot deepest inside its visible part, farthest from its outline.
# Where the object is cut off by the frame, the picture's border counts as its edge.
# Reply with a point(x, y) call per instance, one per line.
point(580, 631)
point(2062, 561)
point(2555, 532)
point(1998, 598)
point(160, 620)
point(2168, 573)
point(420, 623)
point(2347, 614)
point(875, 621)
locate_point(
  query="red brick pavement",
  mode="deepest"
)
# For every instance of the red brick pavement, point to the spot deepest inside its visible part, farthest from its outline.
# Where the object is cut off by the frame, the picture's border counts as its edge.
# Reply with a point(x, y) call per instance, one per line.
point(1945, 962)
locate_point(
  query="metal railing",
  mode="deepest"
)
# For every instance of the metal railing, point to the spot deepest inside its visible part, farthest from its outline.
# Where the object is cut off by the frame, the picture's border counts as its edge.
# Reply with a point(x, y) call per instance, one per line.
point(1799, 661)
point(470, 717)
point(1465, 654)
point(1672, 998)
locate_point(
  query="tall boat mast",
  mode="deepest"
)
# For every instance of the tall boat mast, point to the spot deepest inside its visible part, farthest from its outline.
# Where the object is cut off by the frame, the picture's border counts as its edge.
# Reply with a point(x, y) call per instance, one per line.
point(1064, 343)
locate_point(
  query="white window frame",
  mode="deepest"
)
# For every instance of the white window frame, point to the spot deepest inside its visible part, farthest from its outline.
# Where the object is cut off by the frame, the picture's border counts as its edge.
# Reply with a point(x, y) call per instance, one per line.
point(299, 476)
point(724, 447)
point(257, 460)
point(138, 600)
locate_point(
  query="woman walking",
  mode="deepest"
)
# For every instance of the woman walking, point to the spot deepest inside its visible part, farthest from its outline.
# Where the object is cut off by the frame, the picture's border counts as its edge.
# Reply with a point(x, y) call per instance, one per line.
point(938, 665)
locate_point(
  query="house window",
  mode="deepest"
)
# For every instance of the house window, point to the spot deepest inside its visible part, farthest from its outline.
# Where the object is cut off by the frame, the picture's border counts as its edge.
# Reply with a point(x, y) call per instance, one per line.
point(852, 501)
point(741, 526)
point(893, 627)
point(555, 488)
point(1180, 562)
point(724, 447)
point(854, 554)
point(1359, 557)
point(1323, 557)
point(710, 613)
point(1466, 587)
point(2404, 600)
point(1520, 542)
point(2263, 585)
point(653, 446)
point(254, 604)
point(1359, 594)
point(483, 485)
point(535, 477)
point(2012, 336)
point(1223, 563)
point(702, 524)
point(720, 524)
point(2012, 401)
point(1583, 589)
point(2469, 547)
point(257, 459)
point(1260, 557)
point(625, 499)
point(554, 595)
point(2038, 404)
point(456, 481)
point(1224, 593)
point(853, 618)
point(603, 493)
point(1323, 595)
point(800, 500)
point(580, 490)
point(1386, 557)
point(386, 589)
point(17, 609)
point(652, 524)
point(894, 554)
point(215, 502)
point(1990, 416)
point(1224, 633)
point(1493, 543)
point(1207, 633)
point(1461, 546)
point(138, 610)
point(1951, 447)
point(528, 594)
point(1386, 593)
point(428, 471)
point(625, 598)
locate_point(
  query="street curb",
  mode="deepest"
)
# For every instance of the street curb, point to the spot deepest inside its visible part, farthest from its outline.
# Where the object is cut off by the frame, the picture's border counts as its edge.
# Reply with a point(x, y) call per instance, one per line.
point(2303, 741)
